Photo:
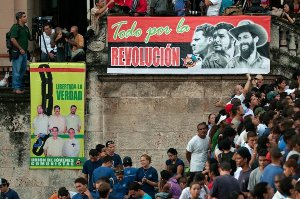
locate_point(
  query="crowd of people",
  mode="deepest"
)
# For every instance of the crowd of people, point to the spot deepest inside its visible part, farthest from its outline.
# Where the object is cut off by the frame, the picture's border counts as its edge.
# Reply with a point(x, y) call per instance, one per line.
point(249, 149)
point(197, 7)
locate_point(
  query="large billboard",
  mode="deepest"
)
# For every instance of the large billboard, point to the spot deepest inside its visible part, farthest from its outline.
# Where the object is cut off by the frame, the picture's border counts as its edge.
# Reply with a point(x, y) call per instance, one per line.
point(57, 93)
point(189, 45)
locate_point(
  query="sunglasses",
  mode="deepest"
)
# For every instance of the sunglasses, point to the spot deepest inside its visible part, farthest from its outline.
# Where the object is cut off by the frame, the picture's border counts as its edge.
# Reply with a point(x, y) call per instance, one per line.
point(110, 142)
point(119, 172)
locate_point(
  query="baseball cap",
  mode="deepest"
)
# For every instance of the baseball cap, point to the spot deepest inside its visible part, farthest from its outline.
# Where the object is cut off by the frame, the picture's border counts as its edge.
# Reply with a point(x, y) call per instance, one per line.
point(222, 118)
point(228, 108)
point(3, 181)
point(259, 110)
point(258, 77)
point(127, 160)
point(271, 95)
point(109, 143)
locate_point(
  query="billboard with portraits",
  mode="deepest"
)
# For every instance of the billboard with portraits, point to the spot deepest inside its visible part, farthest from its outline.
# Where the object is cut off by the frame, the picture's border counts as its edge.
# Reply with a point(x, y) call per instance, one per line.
point(57, 92)
point(189, 45)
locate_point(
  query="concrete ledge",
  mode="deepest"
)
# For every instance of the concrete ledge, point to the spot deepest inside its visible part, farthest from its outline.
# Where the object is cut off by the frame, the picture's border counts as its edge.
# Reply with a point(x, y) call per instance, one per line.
point(175, 78)
point(6, 95)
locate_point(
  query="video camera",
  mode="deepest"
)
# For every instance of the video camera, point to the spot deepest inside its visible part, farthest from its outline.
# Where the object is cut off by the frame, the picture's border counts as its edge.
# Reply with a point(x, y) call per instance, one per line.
point(66, 34)
point(38, 23)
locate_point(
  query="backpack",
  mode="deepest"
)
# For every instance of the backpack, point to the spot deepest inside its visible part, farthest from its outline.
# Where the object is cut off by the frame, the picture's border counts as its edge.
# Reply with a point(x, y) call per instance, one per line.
point(9, 44)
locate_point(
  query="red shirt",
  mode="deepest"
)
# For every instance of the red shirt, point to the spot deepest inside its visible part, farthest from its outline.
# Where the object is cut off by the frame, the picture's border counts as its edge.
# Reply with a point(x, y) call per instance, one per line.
point(141, 6)
point(228, 120)
point(119, 2)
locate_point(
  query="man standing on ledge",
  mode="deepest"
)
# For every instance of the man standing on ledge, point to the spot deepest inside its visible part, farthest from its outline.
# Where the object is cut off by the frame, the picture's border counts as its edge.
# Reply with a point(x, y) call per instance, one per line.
point(19, 36)
point(197, 150)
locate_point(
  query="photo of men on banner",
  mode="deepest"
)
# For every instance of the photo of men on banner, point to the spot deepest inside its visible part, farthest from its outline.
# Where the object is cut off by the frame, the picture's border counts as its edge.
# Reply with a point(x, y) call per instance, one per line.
point(190, 45)
point(226, 46)
point(48, 131)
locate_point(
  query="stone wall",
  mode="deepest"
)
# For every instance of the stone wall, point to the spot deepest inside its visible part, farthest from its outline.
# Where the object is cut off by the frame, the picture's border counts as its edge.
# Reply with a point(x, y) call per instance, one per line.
point(142, 114)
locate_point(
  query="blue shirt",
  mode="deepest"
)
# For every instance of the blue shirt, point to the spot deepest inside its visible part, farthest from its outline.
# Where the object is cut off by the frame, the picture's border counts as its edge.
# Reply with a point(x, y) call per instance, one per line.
point(130, 173)
point(281, 143)
point(120, 189)
point(146, 196)
point(269, 173)
point(177, 163)
point(150, 174)
point(225, 4)
point(88, 168)
point(94, 194)
point(11, 194)
point(102, 172)
point(179, 5)
point(116, 160)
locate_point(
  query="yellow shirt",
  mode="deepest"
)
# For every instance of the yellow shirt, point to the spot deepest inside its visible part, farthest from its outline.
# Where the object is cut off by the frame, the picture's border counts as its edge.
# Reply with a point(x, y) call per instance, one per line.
point(79, 41)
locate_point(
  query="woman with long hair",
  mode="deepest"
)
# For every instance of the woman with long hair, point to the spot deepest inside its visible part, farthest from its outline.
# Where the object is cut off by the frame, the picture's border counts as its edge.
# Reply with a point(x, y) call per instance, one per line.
point(174, 160)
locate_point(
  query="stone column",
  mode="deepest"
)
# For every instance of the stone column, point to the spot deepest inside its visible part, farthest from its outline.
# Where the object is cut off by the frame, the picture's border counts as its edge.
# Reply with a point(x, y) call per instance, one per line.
point(274, 36)
point(298, 41)
point(292, 44)
point(283, 41)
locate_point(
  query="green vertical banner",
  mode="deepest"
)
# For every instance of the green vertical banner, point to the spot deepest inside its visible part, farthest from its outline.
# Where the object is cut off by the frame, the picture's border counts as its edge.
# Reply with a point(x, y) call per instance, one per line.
point(57, 115)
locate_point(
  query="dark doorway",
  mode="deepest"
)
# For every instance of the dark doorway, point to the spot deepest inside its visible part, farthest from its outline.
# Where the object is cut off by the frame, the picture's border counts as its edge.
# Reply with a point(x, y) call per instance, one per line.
point(66, 13)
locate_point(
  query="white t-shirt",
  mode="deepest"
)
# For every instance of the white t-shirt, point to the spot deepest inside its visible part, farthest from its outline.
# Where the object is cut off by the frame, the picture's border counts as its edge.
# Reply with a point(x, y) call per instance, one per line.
point(213, 10)
point(47, 42)
point(293, 152)
point(278, 195)
point(198, 147)
point(242, 138)
point(249, 148)
point(185, 194)
point(237, 173)
point(240, 97)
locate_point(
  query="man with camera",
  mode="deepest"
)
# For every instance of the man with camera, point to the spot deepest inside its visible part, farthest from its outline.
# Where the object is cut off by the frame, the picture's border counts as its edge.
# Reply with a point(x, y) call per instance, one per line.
point(19, 36)
point(77, 43)
point(58, 40)
point(48, 53)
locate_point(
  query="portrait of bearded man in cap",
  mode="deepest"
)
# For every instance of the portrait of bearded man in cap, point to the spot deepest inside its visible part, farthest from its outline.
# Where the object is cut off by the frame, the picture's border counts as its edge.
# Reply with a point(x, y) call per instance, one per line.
point(250, 36)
